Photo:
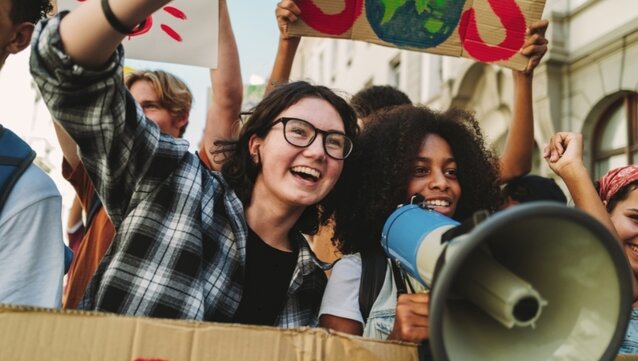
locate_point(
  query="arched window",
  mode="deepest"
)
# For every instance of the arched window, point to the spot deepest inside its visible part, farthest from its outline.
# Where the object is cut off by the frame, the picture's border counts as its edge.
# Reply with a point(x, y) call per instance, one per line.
point(616, 136)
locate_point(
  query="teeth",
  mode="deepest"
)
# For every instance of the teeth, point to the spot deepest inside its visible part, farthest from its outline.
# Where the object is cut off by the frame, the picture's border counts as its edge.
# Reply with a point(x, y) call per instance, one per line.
point(438, 203)
point(633, 247)
point(306, 170)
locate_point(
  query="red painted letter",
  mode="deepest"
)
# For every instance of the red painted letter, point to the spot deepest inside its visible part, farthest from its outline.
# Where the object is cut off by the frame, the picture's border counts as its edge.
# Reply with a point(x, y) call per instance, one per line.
point(336, 24)
point(513, 21)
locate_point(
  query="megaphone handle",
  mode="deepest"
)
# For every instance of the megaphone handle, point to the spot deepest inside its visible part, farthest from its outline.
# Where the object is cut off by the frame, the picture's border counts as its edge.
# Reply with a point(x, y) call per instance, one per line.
point(425, 353)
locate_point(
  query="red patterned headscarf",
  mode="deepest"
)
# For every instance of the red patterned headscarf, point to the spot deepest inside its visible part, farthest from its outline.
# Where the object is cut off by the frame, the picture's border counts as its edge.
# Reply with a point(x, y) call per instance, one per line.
point(615, 180)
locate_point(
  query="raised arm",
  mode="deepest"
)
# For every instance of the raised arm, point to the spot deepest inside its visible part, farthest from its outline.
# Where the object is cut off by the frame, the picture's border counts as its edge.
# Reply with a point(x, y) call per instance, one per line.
point(516, 159)
point(564, 155)
point(68, 145)
point(222, 120)
point(286, 12)
point(88, 37)
point(78, 71)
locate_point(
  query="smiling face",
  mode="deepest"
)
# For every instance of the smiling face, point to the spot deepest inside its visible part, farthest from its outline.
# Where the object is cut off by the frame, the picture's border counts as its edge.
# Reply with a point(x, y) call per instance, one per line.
point(292, 176)
point(143, 92)
point(434, 175)
point(625, 220)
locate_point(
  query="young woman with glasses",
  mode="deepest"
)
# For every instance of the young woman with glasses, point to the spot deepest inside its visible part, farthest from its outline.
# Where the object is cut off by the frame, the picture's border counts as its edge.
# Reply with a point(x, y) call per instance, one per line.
point(191, 243)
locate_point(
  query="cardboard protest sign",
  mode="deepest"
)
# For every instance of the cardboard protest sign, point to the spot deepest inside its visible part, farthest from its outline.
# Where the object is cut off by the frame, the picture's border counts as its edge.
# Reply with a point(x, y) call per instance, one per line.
point(491, 31)
point(183, 32)
point(28, 334)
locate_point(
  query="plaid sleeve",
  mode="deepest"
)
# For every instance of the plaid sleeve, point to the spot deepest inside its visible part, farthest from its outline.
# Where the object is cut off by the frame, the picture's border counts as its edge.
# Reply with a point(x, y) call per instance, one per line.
point(123, 152)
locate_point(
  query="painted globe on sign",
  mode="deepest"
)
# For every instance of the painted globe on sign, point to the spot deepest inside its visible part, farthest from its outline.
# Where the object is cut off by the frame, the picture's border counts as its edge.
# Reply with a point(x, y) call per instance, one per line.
point(414, 23)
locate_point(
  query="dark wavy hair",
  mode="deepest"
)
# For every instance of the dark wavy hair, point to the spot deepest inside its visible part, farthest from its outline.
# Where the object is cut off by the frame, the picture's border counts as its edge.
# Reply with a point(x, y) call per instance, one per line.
point(383, 164)
point(29, 10)
point(370, 100)
point(240, 171)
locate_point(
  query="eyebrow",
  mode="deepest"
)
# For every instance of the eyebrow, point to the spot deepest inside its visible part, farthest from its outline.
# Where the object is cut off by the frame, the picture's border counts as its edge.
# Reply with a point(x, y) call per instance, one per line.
point(424, 159)
point(150, 102)
point(343, 132)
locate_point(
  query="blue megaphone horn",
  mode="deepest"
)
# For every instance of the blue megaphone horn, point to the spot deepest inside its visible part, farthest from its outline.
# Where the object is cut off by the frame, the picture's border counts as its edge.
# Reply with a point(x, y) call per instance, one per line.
point(539, 281)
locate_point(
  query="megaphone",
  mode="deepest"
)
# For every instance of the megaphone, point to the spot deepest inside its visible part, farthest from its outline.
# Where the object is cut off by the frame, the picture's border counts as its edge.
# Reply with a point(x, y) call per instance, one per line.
point(539, 281)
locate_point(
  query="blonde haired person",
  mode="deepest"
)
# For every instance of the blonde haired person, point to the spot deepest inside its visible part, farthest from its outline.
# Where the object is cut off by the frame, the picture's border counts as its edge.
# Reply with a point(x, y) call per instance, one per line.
point(164, 98)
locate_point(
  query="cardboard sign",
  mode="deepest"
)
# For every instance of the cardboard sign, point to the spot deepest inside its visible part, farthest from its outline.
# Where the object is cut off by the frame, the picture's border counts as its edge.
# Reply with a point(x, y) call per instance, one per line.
point(490, 31)
point(28, 334)
point(182, 32)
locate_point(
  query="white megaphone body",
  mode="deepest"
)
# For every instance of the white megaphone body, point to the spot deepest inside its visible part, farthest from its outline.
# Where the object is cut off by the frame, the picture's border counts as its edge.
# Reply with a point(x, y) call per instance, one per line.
point(535, 282)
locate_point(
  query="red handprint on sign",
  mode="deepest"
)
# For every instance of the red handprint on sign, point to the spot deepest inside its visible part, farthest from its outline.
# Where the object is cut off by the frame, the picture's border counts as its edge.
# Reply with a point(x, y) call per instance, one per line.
point(148, 24)
point(145, 26)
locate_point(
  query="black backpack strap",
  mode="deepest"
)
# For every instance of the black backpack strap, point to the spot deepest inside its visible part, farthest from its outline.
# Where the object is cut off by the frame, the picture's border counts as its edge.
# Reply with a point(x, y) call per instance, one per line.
point(15, 157)
point(94, 207)
point(373, 269)
point(400, 279)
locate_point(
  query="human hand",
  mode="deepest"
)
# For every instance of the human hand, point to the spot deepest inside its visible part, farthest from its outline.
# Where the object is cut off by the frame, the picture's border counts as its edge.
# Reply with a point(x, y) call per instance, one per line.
point(535, 45)
point(411, 321)
point(286, 12)
point(564, 152)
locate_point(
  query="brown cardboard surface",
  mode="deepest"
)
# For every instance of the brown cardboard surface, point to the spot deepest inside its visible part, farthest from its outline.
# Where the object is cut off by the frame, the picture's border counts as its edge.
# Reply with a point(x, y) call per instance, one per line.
point(489, 24)
point(29, 334)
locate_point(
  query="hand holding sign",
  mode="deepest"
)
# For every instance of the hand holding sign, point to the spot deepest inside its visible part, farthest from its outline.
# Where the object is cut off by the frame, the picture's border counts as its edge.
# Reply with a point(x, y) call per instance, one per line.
point(535, 45)
point(286, 12)
point(485, 30)
point(185, 32)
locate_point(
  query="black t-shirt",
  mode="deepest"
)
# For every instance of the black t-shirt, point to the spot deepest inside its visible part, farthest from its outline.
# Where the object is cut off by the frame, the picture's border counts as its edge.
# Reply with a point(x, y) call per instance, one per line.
point(268, 275)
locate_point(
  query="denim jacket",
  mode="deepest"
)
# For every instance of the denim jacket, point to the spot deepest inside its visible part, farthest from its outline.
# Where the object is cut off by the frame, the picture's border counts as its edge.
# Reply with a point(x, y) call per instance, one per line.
point(630, 344)
point(381, 319)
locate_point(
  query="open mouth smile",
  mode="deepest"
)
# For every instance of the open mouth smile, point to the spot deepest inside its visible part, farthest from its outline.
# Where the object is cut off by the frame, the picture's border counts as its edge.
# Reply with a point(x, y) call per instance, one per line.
point(306, 173)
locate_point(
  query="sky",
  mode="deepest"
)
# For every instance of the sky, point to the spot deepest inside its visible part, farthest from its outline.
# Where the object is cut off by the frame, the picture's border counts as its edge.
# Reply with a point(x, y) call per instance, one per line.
point(256, 33)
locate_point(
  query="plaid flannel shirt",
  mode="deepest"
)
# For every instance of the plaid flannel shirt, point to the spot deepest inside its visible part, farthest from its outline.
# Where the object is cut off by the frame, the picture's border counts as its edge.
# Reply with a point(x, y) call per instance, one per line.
point(180, 247)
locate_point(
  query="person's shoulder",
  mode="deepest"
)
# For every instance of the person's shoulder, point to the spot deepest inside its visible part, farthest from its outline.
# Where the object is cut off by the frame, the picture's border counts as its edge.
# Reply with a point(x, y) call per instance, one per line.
point(352, 258)
point(33, 186)
point(34, 181)
point(351, 262)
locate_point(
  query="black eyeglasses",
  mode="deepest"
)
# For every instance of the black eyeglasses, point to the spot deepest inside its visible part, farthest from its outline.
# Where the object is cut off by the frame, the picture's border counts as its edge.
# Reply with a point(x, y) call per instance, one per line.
point(301, 133)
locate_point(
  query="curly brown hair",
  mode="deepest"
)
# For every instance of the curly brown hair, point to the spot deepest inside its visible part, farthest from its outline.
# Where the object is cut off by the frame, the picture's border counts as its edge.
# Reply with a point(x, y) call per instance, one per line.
point(382, 168)
point(240, 171)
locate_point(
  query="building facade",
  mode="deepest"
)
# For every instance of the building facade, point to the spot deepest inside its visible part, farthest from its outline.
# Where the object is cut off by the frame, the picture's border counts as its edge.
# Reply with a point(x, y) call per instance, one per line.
point(587, 82)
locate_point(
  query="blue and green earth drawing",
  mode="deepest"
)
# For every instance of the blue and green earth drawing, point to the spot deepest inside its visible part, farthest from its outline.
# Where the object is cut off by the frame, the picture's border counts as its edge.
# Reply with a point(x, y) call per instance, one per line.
point(414, 23)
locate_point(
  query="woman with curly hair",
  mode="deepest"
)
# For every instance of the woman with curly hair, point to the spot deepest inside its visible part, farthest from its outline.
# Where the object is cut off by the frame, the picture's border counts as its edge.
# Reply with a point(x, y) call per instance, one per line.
point(404, 151)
